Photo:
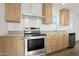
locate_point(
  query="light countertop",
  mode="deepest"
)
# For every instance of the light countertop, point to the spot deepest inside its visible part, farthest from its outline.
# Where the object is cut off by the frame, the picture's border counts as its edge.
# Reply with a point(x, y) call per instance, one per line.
point(13, 34)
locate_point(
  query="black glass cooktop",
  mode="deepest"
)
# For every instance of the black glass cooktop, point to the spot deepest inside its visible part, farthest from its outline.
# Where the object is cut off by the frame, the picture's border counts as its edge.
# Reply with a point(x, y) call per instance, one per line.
point(33, 34)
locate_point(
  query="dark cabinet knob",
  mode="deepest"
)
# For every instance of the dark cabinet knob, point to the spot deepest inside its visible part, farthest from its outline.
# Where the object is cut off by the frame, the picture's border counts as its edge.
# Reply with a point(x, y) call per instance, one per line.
point(21, 39)
point(18, 18)
point(51, 42)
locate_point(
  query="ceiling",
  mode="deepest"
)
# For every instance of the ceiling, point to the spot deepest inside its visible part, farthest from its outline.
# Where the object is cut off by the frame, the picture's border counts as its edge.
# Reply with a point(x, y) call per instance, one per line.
point(73, 7)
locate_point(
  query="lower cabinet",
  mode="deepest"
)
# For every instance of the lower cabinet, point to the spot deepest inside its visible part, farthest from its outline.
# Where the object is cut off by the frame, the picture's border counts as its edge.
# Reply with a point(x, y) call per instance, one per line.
point(63, 40)
point(60, 41)
point(66, 40)
point(1, 47)
point(51, 48)
point(56, 41)
point(51, 43)
point(10, 46)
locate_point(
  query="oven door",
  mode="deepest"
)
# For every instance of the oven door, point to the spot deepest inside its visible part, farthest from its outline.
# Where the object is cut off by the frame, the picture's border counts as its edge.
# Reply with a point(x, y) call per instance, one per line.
point(35, 45)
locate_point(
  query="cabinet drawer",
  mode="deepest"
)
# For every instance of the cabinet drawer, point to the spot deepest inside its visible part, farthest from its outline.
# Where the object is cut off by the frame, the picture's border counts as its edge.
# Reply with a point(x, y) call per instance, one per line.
point(51, 37)
point(51, 42)
point(48, 37)
point(51, 49)
point(65, 34)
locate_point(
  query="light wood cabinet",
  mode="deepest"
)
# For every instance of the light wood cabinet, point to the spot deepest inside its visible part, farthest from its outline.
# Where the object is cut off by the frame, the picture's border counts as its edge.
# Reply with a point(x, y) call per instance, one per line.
point(60, 41)
point(51, 39)
point(63, 40)
point(1, 47)
point(51, 43)
point(51, 49)
point(64, 17)
point(56, 41)
point(47, 12)
point(11, 46)
point(12, 12)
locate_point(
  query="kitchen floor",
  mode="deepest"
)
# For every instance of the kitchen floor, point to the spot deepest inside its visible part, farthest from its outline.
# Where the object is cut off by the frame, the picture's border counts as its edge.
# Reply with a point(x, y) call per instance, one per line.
point(68, 52)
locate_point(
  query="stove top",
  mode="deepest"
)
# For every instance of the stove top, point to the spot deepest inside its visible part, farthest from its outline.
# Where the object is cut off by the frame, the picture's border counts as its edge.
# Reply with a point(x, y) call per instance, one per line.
point(33, 34)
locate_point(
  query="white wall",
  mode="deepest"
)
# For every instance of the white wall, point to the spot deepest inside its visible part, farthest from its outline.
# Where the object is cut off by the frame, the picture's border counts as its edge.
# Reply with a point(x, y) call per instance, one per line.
point(16, 26)
point(75, 26)
point(3, 24)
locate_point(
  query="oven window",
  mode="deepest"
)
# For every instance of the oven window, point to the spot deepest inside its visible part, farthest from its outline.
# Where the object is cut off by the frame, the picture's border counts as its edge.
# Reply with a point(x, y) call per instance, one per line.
point(35, 44)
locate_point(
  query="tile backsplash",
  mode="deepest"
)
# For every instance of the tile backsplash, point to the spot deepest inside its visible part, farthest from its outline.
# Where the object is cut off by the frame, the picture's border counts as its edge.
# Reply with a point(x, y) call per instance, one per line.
point(28, 23)
point(36, 23)
point(16, 26)
point(33, 22)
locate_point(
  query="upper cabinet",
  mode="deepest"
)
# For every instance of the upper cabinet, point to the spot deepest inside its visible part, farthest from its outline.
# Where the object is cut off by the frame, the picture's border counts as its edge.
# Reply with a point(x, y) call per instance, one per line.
point(34, 9)
point(64, 17)
point(13, 12)
point(47, 12)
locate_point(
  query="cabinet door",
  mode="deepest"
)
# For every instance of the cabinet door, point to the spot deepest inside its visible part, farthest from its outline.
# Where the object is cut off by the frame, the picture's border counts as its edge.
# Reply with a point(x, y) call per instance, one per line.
point(20, 46)
point(1, 47)
point(8, 47)
point(51, 49)
point(64, 17)
point(13, 12)
point(47, 12)
point(65, 40)
point(60, 41)
point(12, 46)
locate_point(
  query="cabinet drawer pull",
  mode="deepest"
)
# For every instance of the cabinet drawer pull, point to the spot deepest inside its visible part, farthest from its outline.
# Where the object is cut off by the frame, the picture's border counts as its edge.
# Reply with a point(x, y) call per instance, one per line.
point(63, 34)
point(18, 18)
point(51, 42)
point(21, 39)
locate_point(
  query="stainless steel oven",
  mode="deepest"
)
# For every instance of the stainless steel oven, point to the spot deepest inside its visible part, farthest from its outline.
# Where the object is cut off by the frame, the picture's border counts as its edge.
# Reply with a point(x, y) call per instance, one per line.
point(34, 41)
point(34, 45)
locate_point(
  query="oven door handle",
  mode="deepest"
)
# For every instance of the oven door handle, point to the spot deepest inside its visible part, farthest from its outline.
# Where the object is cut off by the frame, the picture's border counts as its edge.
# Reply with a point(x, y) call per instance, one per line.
point(38, 37)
